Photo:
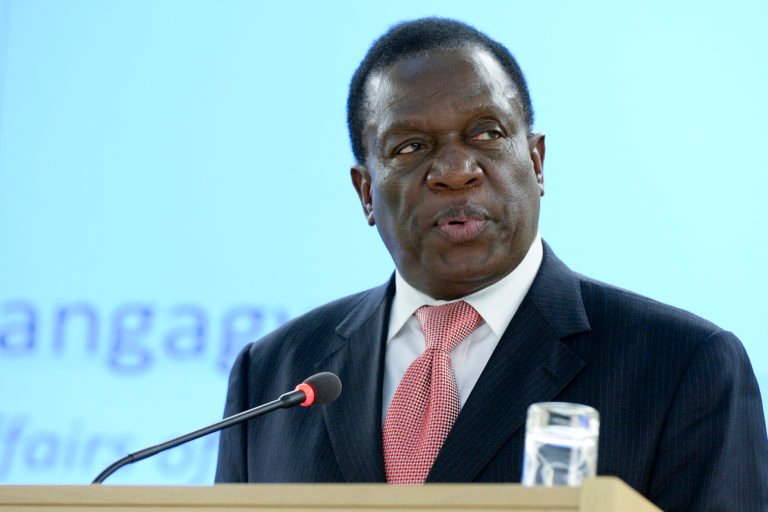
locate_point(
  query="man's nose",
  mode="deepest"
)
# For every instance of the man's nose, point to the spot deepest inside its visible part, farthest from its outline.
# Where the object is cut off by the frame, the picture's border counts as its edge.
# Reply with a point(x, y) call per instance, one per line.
point(454, 168)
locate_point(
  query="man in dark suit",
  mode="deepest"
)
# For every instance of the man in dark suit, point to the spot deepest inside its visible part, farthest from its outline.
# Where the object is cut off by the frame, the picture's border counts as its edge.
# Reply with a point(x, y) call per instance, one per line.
point(451, 174)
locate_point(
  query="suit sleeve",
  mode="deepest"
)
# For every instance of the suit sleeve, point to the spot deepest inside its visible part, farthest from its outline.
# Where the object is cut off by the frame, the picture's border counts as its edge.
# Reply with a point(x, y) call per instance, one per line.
point(713, 453)
point(233, 451)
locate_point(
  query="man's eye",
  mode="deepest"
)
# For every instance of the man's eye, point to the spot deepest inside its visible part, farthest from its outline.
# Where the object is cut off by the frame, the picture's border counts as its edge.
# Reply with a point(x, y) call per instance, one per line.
point(409, 148)
point(488, 135)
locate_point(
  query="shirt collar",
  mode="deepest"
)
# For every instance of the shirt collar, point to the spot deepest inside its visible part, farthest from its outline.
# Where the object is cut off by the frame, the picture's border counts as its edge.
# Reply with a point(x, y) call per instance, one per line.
point(497, 303)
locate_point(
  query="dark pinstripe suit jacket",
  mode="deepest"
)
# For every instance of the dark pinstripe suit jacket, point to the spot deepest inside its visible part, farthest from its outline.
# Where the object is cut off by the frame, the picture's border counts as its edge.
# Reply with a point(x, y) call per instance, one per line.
point(681, 414)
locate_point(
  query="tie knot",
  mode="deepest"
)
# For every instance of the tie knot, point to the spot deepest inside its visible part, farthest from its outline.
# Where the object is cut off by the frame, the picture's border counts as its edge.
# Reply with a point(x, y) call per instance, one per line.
point(447, 325)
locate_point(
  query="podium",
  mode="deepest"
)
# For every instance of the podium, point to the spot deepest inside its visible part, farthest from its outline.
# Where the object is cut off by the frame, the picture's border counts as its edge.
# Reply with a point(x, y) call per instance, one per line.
point(602, 494)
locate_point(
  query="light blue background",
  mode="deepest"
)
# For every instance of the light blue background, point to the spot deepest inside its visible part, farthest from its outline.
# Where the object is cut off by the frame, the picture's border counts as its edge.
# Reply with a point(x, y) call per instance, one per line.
point(180, 170)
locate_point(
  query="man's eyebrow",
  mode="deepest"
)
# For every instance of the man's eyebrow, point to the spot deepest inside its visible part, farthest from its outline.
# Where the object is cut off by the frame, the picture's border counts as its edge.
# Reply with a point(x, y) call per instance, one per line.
point(417, 124)
point(405, 125)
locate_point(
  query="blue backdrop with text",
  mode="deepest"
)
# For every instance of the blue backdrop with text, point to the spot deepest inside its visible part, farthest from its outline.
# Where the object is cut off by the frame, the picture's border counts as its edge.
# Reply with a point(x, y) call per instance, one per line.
point(174, 182)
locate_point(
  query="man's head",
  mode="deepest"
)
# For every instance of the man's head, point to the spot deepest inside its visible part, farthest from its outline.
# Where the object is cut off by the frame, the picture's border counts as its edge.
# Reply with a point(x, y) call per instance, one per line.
point(417, 36)
point(448, 169)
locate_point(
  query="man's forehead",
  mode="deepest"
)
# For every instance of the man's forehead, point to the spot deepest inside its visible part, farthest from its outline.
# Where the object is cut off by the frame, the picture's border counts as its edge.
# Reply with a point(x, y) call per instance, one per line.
point(403, 84)
point(415, 66)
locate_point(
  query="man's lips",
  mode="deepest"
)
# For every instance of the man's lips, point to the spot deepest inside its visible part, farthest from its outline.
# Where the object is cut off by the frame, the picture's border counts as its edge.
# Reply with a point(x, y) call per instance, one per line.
point(461, 225)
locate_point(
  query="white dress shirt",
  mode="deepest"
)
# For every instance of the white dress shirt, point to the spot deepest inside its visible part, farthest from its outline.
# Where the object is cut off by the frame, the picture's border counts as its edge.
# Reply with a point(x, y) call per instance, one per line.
point(497, 305)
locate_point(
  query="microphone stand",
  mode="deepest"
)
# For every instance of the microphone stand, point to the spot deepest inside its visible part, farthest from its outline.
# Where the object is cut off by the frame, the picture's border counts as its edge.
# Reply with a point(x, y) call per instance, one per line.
point(285, 401)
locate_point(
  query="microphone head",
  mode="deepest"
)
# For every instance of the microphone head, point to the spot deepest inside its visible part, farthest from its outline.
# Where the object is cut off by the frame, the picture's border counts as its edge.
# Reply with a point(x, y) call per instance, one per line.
point(325, 388)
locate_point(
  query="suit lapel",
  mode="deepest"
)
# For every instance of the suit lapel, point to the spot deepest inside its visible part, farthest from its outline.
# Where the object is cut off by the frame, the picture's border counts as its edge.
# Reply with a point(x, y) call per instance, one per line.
point(531, 364)
point(354, 419)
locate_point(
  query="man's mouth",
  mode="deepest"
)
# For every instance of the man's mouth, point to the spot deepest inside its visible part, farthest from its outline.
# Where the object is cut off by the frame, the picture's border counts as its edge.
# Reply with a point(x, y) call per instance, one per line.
point(461, 226)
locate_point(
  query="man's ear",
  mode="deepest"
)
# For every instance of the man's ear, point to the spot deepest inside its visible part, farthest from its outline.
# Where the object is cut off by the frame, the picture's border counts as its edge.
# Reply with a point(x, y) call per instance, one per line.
point(537, 148)
point(361, 180)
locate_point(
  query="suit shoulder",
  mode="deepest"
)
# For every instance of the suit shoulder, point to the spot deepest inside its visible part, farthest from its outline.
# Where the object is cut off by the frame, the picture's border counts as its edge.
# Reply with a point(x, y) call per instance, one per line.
point(617, 306)
point(310, 331)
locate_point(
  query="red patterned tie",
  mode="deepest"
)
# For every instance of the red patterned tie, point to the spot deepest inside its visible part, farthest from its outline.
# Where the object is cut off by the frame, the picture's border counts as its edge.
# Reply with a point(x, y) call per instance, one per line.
point(426, 402)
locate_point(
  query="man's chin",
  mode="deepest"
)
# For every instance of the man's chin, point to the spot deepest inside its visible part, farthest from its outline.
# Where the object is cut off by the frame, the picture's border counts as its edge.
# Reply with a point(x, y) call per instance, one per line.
point(458, 280)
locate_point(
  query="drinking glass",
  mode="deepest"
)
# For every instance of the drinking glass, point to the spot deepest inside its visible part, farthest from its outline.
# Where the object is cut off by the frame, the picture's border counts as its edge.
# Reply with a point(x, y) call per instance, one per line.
point(560, 444)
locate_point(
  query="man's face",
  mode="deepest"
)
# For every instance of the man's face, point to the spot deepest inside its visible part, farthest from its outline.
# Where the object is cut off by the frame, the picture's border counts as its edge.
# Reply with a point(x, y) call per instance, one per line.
point(452, 178)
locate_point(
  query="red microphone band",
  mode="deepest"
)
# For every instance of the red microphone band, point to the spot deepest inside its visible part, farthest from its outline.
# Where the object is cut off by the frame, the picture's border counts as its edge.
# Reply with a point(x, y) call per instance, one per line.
point(308, 392)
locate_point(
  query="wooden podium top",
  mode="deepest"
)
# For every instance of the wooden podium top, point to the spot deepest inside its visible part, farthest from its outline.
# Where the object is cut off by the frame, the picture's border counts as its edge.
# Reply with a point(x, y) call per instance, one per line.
point(602, 494)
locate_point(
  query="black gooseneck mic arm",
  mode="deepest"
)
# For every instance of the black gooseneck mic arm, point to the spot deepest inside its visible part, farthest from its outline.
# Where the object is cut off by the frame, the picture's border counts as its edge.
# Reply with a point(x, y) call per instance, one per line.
point(318, 389)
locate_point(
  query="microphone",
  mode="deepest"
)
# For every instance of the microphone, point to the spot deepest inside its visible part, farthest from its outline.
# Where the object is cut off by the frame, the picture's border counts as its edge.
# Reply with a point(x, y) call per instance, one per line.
point(319, 389)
